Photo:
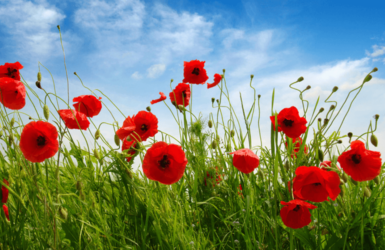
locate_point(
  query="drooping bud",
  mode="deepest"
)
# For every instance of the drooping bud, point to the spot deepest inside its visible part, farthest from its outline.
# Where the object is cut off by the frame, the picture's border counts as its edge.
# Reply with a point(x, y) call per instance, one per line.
point(217, 100)
point(342, 193)
point(38, 84)
point(332, 107)
point(374, 140)
point(339, 141)
point(232, 133)
point(128, 138)
point(335, 89)
point(377, 180)
point(213, 100)
point(210, 124)
point(58, 27)
point(148, 108)
point(375, 69)
point(117, 141)
point(63, 213)
point(321, 155)
point(326, 121)
point(1, 133)
point(214, 144)
point(368, 78)
point(376, 116)
point(321, 110)
point(96, 153)
point(10, 138)
point(181, 108)
point(251, 76)
point(300, 79)
point(172, 80)
point(39, 76)
point(308, 87)
point(367, 192)
point(97, 134)
point(46, 111)
point(350, 134)
point(12, 122)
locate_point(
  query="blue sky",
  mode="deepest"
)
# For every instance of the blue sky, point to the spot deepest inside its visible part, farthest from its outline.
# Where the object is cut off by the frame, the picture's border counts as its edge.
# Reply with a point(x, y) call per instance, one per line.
point(131, 49)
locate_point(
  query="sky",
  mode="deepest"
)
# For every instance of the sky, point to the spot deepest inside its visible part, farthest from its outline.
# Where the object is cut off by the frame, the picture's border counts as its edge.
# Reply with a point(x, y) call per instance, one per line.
point(131, 49)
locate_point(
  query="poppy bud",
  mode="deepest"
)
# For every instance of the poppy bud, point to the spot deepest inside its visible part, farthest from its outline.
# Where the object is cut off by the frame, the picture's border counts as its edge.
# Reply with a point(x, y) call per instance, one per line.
point(181, 107)
point(1, 133)
point(259, 96)
point(353, 181)
point(232, 133)
point(287, 165)
point(374, 140)
point(172, 80)
point(38, 84)
point(217, 101)
point(367, 192)
point(39, 76)
point(342, 193)
point(344, 177)
point(148, 109)
point(320, 119)
point(300, 79)
point(12, 122)
point(30, 118)
point(350, 134)
point(79, 185)
point(320, 155)
point(213, 100)
point(251, 76)
point(213, 144)
point(339, 141)
point(210, 124)
point(128, 138)
point(58, 27)
point(96, 153)
point(63, 213)
point(368, 78)
point(308, 87)
point(375, 69)
point(46, 111)
point(326, 121)
point(117, 141)
point(260, 174)
point(10, 138)
point(335, 89)
point(224, 70)
point(57, 171)
point(376, 117)
point(321, 110)
point(377, 180)
point(332, 107)
point(97, 134)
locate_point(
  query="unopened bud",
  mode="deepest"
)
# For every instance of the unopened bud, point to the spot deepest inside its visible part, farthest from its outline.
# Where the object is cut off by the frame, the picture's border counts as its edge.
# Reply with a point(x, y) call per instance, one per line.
point(39, 76)
point(30, 118)
point(148, 108)
point(172, 80)
point(213, 100)
point(342, 193)
point(224, 70)
point(375, 69)
point(82, 195)
point(287, 165)
point(214, 144)
point(96, 153)
point(46, 111)
point(232, 133)
point(319, 119)
point(320, 155)
point(259, 96)
point(117, 141)
point(58, 27)
point(1, 133)
point(377, 180)
point(181, 107)
point(344, 177)
point(326, 121)
point(368, 78)
point(300, 79)
point(350, 134)
point(332, 107)
point(210, 124)
point(97, 134)
point(321, 110)
point(367, 192)
point(339, 141)
point(79, 185)
point(63, 213)
point(376, 116)
point(128, 172)
point(335, 89)
point(38, 84)
point(10, 138)
point(251, 76)
point(217, 100)
point(12, 122)
point(374, 140)
point(308, 87)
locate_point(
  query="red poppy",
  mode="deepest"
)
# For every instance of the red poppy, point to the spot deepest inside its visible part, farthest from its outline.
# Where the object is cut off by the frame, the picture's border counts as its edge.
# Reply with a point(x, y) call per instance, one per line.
point(217, 79)
point(4, 192)
point(290, 123)
point(295, 213)
point(217, 179)
point(297, 142)
point(129, 145)
point(127, 128)
point(71, 122)
point(361, 164)
point(11, 70)
point(5, 208)
point(164, 163)
point(315, 184)
point(38, 141)
point(182, 94)
point(245, 160)
point(88, 105)
point(194, 72)
point(146, 125)
point(161, 98)
point(12, 93)
point(240, 193)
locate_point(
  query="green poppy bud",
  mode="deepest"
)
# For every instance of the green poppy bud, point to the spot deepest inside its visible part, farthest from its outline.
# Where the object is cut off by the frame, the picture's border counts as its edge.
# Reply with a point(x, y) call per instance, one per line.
point(300, 79)
point(325, 231)
point(335, 89)
point(350, 134)
point(148, 108)
point(210, 124)
point(12, 122)
point(375, 69)
point(344, 177)
point(213, 144)
point(82, 195)
point(374, 140)
point(96, 153)
point(332, 107)
point(367, 192)
point(128, 172)
point(213, 100)
point(259, 96)
point(251, 76)
point(117, 141)
point(38, 84)
point(368, 78)
point(39, 76)
point(321, 110)
point(79, 185)
point(320, 155)
point(308, 87)
point(46, 111)
point(376, 116)
point(232, 133)
point(97, 134)
point(10, 138)
point(1, 133)
point(342, 193)
point(377, 180)
point(63, 213)
point(224, 70)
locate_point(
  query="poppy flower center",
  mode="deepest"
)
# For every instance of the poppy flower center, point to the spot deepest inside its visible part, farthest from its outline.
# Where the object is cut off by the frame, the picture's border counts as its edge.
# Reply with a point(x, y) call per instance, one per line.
point(144, 127)
point(165, 162)
point(298, 207)
point(288, 123)
point(195, 71)
point(40, 141)
point(317, 184)
point(184, 94)
point(356, 158)
point(11, 72)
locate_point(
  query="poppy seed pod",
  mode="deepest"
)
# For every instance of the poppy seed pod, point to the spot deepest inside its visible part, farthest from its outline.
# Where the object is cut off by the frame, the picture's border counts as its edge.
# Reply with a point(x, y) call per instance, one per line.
point(46, 111)
point(300, 79)
point(374, 140)
point(39, 76)
point(368, 78)
point(117, 141)
point(63, 213)
point(97, 134)
point(210, 124)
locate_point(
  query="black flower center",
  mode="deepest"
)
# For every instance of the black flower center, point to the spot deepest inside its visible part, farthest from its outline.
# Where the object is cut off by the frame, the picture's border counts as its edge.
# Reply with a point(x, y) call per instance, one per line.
point(288, 123)
point(144, 127)
point(356, 158)
point(298, 207)
point(40, 141)
point(195, 71)
point(184, 94)
point(165, 162)
point(11, 72)
point(317, 184)
point(16, 91)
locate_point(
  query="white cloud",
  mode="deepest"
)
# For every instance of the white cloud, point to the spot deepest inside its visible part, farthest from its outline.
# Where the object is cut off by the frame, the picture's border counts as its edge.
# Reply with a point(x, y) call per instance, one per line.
point(32, 27)
point(136, 75)
point(156, 70)
point(377, 51)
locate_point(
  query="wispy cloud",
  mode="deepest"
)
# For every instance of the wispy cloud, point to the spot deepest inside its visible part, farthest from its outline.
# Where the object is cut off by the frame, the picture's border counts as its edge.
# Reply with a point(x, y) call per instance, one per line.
point(156, 70)
point(136, 75)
